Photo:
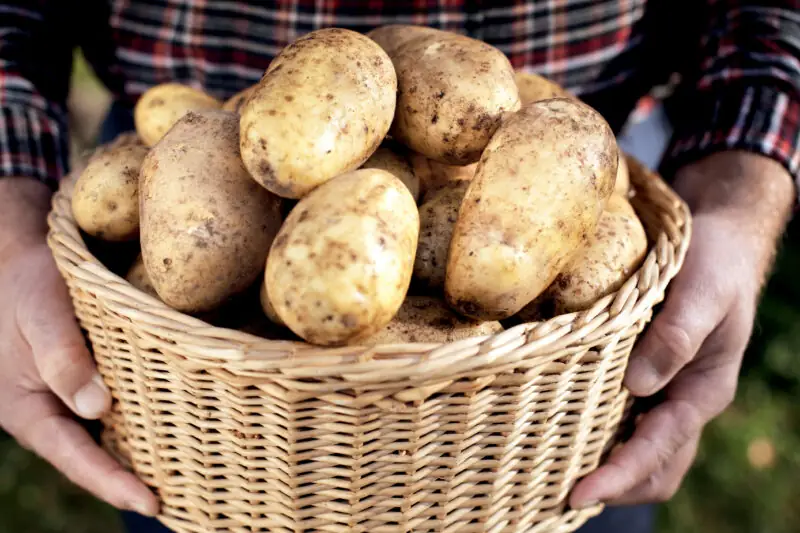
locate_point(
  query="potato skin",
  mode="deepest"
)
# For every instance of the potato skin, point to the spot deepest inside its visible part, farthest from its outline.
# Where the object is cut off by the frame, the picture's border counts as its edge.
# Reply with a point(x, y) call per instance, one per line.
point(206, 225)
point(234, 103)
point(437, 219)
point(160, 107)
point(533, 88)
point(427, 319)
point(538, 193)
point(391, 37)
point(393, 159)
point(617, 248)
point(140, 279)
point(105, 201)
point(453, 92)
point(341, 265)
point(322, 109)
point(434, 176)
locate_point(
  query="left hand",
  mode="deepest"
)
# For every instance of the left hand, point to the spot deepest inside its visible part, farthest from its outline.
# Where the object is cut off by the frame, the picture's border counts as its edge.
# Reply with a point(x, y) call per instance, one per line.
point(693, 350)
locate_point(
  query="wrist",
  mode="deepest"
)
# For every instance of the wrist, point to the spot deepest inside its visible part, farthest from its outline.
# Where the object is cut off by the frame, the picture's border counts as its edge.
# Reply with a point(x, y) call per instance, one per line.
point(748, 192)
point(745, 183)
point(24, 204)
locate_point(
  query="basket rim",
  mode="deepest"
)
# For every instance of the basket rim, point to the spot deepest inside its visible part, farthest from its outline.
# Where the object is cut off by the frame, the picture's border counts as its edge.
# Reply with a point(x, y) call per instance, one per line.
point(250, 356)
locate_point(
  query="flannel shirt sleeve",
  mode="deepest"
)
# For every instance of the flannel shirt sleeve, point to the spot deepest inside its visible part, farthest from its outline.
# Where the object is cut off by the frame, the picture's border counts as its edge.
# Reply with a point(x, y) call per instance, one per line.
point(745, 95)
point(34, 78)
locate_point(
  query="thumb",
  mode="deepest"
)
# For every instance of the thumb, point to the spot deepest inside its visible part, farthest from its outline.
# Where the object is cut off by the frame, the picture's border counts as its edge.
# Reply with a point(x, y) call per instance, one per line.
point(47, 322)
point(690, 313)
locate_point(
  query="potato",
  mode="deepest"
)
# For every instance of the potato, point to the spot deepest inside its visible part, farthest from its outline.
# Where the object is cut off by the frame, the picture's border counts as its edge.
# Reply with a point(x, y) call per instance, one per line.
point(105, 201)
point(616, 248)
point(393, 159)
point(160, 107)
point(140, 279)
point(341, 265)
point(206, 225)
point(537, 195)
point(434, 176)
point(128, 138)
point(322, 109)
point(392, 36)
point(437, 218)
point(428, 320)
point(622, 185)
point(533, 88)
point(234, 103)
point(453, 91)
point(269, 311)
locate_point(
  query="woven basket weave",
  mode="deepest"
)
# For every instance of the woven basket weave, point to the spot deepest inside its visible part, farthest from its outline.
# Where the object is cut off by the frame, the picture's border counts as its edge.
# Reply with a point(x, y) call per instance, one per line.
point(237, 433)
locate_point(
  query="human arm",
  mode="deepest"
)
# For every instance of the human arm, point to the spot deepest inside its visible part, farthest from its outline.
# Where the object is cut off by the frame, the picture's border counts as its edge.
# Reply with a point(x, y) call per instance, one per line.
point(734, 157)
point(45, 368)
point(46, 372)
point(35, 63)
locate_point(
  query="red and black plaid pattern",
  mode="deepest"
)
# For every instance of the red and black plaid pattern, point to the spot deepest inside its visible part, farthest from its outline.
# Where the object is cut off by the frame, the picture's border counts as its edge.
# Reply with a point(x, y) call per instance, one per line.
point(743, 89)
point(740, 60)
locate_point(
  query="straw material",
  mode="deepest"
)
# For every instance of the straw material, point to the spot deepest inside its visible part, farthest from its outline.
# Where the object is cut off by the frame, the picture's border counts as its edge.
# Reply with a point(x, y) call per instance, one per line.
point(486, 435)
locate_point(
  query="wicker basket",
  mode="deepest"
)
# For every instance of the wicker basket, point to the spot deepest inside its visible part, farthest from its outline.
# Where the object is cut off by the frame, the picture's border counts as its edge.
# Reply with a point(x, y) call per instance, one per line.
point(237, 433)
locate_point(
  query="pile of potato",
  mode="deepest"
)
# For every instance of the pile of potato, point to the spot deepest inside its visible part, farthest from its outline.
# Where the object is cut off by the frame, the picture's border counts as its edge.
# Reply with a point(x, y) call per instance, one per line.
point(401, 186)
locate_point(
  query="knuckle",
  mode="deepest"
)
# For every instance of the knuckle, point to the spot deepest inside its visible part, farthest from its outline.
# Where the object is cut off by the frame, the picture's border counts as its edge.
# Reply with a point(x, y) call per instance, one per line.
point(665, 493)
point(724, 398)
point(718, 391)
point(681, 423)
point(669, 488)
point(653, 490)
point(661, 449)
point(658, 490)
point(60, 367)
point(676, 342)
point(665, 451)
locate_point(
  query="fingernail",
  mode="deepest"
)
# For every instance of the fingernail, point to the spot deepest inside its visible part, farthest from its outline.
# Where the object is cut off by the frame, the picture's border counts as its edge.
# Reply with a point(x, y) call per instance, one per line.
point(142, 508)
point(641, 377)
point(586, 505)
point(92, 400)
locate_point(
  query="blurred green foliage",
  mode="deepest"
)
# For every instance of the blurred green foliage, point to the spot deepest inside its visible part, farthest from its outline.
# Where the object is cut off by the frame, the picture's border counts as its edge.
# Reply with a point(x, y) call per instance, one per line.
point(34, 498)
point(746, 478)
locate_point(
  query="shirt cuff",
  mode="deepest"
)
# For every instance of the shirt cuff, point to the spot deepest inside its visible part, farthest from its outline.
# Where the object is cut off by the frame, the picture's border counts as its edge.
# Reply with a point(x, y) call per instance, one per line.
point(760, 119)
point(33, 142)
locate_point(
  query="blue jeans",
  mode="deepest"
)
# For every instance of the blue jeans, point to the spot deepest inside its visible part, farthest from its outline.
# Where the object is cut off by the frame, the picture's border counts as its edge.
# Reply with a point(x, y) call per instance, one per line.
point(638, 519)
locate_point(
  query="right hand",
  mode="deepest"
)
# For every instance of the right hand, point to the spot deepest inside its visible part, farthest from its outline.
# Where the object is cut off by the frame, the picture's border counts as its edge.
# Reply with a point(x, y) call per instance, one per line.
point(46, 371)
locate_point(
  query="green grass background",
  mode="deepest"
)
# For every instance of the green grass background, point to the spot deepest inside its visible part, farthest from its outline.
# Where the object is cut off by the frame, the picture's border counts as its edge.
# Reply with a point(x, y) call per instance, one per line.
point(726, 491)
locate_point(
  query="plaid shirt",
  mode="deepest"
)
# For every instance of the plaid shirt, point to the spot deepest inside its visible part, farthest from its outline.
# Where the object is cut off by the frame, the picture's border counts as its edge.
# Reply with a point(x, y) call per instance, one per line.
point(739, 60)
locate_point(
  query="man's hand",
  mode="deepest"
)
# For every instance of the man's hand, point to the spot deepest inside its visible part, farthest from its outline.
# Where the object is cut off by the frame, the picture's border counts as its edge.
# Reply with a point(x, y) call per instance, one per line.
point(45, 368)
point(693, 349)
